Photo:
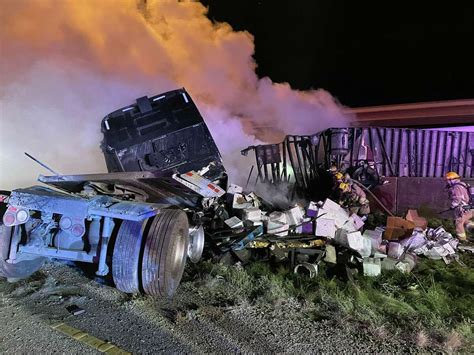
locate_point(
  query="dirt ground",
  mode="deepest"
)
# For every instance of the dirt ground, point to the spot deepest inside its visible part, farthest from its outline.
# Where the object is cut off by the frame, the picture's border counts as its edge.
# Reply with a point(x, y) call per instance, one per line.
point(140, 324)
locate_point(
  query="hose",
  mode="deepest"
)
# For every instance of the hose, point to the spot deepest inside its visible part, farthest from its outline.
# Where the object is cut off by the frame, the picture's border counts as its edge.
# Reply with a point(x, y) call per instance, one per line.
point(375, 198)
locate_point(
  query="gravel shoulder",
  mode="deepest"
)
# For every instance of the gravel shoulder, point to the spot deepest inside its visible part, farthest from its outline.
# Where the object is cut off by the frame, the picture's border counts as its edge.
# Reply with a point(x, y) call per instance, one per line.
point(140, 324)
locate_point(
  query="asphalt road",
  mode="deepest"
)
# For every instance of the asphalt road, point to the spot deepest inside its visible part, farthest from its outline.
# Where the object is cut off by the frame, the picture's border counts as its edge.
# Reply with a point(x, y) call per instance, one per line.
point(140, 324)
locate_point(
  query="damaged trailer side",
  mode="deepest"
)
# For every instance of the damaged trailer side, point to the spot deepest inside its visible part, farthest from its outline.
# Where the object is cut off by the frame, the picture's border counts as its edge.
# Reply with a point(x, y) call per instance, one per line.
point(141, 220)
point(367, 154)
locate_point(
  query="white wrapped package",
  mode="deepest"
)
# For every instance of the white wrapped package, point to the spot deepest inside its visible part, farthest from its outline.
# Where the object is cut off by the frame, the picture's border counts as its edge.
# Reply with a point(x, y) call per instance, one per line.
point(352, 240)
point(355, 241)
point(372, 267)
point(252, 214)
point(295, 216)
point(358, 222)
point(312, 210)
point(278, 217)
point(325, 227)
point(330, 256)
point(375, 237)
point(331, 209)
point(395, 250)
point(234, 222)
point(366, 248)
point(277, 228)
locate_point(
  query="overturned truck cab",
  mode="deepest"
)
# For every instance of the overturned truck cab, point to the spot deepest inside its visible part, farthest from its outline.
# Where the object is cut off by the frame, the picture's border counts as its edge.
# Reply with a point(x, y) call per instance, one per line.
point(138, 222)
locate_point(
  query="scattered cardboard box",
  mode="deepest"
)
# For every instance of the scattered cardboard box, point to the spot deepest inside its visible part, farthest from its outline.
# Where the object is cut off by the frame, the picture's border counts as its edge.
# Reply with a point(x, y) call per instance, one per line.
point(307, 227)
point(372, 267)
point(398, 228)
point(278, 217)
point(325, 227)
point(252, 214)
point(330, 205)
point(277, 228)
point(403, 237)
point(358, 222)
point(312, 210)
point(420, 222)
point(234, 222)
point(295, 216)
point(349, 226)
point(352, 240)
point(375, 237)
point(355, 241)
point(366, 249)
point(331, 256)
point(332, 210)
point(395, 250)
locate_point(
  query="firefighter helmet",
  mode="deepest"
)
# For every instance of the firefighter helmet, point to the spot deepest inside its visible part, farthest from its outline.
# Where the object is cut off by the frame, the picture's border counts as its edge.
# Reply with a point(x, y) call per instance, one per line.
point(344, 186)
point(452, 176)
point(333, 169)
point(339, 176)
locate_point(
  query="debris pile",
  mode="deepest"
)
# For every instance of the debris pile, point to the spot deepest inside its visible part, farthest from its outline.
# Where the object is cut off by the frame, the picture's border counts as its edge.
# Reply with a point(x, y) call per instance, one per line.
point(242, 227)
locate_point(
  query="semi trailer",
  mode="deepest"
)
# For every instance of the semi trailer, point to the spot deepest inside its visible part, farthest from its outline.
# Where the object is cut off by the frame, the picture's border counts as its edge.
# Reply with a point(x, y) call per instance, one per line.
point(404, 167)
point(140, 221)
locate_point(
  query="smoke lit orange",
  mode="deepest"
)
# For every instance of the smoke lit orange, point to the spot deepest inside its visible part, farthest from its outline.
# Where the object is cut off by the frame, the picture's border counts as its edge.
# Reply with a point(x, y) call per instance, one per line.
point(65, 64)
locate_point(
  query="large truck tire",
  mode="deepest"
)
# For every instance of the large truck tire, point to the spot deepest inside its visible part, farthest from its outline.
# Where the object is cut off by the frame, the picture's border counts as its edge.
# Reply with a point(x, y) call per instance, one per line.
point(19, 270)
point(126, 256)
point(164, 253)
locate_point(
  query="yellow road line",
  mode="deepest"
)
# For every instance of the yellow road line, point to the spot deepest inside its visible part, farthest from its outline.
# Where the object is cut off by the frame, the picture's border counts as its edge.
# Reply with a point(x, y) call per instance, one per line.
point(96, 343)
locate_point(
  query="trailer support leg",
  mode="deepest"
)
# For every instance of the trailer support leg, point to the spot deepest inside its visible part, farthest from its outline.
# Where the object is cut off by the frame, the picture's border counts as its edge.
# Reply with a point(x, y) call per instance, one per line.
point(107, 228)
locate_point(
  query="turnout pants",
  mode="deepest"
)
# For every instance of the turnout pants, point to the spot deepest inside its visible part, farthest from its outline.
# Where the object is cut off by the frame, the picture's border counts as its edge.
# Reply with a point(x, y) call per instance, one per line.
point(462, 221)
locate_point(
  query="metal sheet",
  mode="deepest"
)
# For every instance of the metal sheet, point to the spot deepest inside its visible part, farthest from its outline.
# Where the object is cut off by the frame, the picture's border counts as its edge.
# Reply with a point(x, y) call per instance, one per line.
point(125, 210)
point(157, 187)
point(43, 199)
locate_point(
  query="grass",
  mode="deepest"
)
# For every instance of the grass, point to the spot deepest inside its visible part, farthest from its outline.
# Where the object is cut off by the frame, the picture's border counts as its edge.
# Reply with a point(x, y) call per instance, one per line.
point(432, 306)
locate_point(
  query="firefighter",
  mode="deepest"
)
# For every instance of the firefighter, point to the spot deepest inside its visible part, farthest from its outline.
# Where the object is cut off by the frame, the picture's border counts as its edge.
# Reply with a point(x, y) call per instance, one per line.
point(333, 170)
point(354, 198)
point(337, 179)
point(460, 197)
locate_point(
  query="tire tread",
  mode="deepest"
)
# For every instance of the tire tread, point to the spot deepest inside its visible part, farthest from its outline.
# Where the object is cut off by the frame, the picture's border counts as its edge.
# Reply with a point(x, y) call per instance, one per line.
point(126, 256)
point(156, 277)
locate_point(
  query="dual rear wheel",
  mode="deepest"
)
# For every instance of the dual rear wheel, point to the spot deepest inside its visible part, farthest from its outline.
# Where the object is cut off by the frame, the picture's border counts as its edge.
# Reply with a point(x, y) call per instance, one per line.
point(19, 270)
point(150, 256)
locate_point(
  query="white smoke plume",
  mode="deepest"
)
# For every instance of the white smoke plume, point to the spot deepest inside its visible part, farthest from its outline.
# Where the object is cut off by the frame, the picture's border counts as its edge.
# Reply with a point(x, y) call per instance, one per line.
point(65, 64)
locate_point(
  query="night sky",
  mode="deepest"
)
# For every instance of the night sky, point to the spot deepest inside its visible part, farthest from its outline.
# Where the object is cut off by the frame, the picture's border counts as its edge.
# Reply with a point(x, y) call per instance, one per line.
point(364, 54)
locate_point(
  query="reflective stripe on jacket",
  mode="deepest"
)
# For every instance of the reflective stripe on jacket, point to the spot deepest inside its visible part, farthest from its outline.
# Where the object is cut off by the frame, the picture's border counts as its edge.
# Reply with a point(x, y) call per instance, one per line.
point(458, 194)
